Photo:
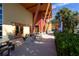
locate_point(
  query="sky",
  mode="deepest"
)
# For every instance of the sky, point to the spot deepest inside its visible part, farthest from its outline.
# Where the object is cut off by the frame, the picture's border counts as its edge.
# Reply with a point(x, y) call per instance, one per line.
point(57, 6)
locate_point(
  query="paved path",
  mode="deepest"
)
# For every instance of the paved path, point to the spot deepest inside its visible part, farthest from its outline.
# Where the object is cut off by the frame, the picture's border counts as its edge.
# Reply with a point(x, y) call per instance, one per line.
point(41, 47)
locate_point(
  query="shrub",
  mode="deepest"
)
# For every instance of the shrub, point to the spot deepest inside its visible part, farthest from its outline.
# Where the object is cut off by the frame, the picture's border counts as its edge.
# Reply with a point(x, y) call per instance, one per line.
point(67, 44)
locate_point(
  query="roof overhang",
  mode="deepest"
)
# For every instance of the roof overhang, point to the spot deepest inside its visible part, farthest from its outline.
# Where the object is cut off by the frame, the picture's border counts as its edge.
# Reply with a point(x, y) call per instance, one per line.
point(32, 7)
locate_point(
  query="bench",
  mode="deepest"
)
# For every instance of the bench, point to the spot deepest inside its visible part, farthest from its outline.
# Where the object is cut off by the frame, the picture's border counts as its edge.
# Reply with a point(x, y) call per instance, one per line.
point(5, 50)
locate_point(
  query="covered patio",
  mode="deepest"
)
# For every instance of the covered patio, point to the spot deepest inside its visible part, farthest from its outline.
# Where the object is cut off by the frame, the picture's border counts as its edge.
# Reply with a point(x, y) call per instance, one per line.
point(27, 31)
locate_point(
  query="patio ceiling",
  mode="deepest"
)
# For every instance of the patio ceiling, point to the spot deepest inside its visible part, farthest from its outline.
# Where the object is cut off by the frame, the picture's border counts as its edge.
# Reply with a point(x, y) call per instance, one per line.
point(32, 7)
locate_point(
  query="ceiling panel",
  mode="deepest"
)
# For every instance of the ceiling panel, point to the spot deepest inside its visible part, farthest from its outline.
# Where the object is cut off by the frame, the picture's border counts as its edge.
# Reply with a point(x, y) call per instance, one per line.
point(32, 7)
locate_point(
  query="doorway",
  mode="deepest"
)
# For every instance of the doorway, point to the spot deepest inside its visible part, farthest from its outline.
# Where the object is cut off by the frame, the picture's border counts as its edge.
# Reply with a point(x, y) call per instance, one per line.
point(18, 30)
point(36, 29)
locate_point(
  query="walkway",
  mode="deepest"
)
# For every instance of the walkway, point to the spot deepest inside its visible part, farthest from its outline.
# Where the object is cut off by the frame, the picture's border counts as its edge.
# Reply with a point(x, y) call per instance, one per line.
point(40, 47)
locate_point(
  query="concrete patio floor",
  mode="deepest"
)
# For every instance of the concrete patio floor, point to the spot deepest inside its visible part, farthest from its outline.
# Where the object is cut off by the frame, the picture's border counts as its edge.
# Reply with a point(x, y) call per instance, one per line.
point(38, 47)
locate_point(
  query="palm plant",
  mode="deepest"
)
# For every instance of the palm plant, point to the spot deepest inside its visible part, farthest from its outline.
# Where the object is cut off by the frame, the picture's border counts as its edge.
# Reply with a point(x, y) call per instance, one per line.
point(68, 18)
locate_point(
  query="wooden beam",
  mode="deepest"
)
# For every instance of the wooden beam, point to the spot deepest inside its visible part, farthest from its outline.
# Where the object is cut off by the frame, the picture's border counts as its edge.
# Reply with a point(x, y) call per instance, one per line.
point(46, 16)
point(36, 13)
point(35, 17)
point(32, 6)
point(47, 10)
point(49, 14)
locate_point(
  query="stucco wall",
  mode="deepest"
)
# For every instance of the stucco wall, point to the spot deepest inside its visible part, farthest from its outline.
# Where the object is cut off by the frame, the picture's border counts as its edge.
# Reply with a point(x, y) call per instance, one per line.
point(15, 13)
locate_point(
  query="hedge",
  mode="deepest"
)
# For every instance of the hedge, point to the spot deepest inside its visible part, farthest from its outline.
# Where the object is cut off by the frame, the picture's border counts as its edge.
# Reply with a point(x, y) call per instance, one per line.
point(67, 44)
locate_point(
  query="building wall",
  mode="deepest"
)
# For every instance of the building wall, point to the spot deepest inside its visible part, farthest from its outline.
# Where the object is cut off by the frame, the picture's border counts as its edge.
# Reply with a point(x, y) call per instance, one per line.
point(15, 13)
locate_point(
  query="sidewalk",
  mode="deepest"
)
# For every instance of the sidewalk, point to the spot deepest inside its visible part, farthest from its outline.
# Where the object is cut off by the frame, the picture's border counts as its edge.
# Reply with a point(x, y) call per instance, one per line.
point(41, 47)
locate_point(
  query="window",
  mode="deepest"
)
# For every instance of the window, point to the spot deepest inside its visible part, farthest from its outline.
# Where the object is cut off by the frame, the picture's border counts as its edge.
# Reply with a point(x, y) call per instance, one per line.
point(1, 11)
point(0, 20)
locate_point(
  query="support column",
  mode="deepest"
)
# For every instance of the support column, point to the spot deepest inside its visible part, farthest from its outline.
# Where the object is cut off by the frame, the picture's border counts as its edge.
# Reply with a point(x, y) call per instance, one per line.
point(47, 11)
point(49, 14)
point(46, 15)
point(36, 13)
point(48, 19)
point(35, 17)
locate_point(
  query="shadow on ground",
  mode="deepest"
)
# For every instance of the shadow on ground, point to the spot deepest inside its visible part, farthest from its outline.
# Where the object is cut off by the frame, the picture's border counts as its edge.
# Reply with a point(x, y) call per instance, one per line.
point(38, 47)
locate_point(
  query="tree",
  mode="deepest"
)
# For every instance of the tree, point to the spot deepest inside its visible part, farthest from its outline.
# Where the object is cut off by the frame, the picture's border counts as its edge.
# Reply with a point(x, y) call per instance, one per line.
point(68, 18)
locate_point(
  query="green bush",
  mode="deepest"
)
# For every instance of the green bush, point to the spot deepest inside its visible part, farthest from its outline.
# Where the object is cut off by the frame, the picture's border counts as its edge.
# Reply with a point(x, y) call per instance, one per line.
point(67, 44)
